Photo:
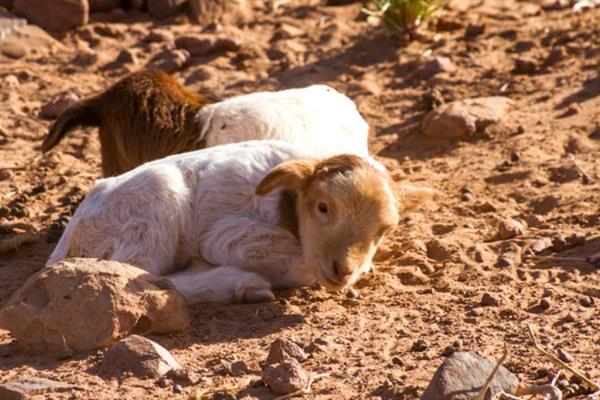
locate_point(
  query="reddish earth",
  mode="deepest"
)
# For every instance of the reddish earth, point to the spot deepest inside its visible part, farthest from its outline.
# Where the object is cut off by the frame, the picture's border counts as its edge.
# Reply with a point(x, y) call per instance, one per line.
point(434, 269)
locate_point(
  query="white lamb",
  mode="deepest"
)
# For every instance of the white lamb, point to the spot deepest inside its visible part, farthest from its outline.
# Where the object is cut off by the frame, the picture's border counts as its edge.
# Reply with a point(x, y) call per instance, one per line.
point(238, 220)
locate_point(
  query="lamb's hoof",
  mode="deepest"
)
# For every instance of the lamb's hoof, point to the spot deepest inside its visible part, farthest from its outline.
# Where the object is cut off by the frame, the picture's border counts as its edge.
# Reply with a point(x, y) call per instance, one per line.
point(258, 295)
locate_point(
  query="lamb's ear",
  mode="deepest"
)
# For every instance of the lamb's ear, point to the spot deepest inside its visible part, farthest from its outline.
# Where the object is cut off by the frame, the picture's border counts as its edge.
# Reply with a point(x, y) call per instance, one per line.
point(293, 175)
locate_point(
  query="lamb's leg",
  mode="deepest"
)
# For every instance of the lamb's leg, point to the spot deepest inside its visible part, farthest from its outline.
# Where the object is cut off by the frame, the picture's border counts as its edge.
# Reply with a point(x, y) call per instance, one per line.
point(221, 284)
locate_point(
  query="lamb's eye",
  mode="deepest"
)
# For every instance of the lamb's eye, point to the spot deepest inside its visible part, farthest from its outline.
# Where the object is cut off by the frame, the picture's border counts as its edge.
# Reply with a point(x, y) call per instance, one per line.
point(322, 207)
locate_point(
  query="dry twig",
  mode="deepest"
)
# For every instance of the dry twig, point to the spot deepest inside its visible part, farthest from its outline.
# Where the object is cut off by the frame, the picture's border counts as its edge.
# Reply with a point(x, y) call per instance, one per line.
point(557, 361)
point(486, 385)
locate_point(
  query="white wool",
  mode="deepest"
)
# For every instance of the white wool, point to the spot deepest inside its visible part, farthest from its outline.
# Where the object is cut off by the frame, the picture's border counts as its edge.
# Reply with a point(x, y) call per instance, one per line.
point(316, 119)
point(195, 210)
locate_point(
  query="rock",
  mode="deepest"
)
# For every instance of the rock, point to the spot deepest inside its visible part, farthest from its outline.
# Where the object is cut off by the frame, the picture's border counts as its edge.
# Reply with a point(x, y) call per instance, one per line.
point(169, 60)
point(126, 56)
point(460, 120)
point(282, 349)
point(566, 172)
point(55, 15)
point(525, 66)
point(491, 300)
point(285, 377)
point(544, 205)
point(165, 8)
point(447, 24)
point(564, 355)
point(474, 30)
point(23, 389)
point(435, 66)
point(509, 228)
point(196, 45)
point(418, 346)
point(225, 12)
point(83, 304)
point(586, 301)
point(412, 276)
point(440, 250)
point(86, 58)
point(541, 245)
point(159, 36)
point(562, 242)
point(139, 356)
point(103, 5)
point(58, 104)
point(461, 376)
point(544, 304)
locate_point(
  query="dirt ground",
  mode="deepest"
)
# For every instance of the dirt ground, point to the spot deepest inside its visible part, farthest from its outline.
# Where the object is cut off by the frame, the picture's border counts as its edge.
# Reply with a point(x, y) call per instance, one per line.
point(432, 272)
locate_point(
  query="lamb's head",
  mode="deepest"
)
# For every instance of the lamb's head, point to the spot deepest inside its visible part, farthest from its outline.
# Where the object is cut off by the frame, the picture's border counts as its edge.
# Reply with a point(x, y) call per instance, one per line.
point(344, 206)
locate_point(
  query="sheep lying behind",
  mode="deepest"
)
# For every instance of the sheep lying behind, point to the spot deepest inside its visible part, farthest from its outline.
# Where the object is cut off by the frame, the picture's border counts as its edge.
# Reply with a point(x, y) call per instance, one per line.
point(148, 115)
point(239, 219)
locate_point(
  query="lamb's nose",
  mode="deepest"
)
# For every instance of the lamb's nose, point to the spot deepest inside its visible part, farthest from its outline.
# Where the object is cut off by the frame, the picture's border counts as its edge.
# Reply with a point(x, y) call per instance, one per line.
point(341, 271)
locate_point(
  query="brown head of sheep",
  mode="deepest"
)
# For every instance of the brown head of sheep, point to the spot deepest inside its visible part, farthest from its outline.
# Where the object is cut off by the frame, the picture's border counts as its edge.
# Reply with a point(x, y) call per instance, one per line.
point(340, 208)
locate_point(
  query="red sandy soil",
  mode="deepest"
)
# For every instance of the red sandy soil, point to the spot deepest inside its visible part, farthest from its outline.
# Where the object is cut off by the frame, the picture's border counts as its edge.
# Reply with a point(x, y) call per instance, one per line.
point(433, 270)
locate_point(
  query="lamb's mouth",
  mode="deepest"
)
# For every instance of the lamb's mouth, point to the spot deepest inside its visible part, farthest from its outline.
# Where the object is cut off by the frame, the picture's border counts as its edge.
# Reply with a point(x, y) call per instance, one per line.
point(327, 282)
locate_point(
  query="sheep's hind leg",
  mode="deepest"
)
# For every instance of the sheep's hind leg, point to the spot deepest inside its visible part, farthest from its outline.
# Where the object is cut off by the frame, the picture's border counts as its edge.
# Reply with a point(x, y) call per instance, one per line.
point(222, 284)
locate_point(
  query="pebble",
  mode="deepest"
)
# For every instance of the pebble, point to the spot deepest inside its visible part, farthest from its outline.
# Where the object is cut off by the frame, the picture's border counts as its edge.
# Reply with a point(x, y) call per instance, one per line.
point(282, 349)
point(58, 104)
point(418, 345)
point(509, 228)
point(397, 361)
point(285, 377)
point(586, 301)
point(449, 350)
point(564, 355)
point(491, 300)
point(524, 66)
point(544, 304)
point(159, 36)
point(475, 30)
point(169, 60)
point(126, 56)
point(435, 66)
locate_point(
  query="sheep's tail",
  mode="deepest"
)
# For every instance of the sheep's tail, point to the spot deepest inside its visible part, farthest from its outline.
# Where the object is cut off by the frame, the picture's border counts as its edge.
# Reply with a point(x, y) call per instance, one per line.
point(83, 113)
point(61, 251)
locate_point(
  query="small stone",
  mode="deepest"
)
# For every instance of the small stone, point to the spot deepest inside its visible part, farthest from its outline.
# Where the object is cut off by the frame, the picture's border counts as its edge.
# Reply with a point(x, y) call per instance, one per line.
point(418, 345)
point(58, 104)
point(397, 361)
point(181, 376)
point(285, 377)
point(23, 389)
point(465, 373)
point(562, 242)
point(169, 60)
point(282, 349)
point(460, 120)
point(562, 384)
point(564, 355)
point(139, 356)
point(586, 301)
point(126, 56)
point(440, 250)
point(466, 196)
point(544, 304)
point(352, 293)
point(196, 45)
point(159, 36)
point(541, 245)
point(239, 368)
point(491, 300)
point(509, 228)
point(177, 388)
point(570, 317)
point(86, 58)
point(435, 66)
point(525, 66)
point(505, 261)
point(548, 292)
point(474, 30)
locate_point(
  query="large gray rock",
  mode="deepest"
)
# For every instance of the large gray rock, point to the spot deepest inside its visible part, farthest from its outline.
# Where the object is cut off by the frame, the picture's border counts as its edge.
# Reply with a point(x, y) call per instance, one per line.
point(461, 376)
point(55, 15)
point(83, 304)
point(139, 356)
point(460, 120)
point(23, 389)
